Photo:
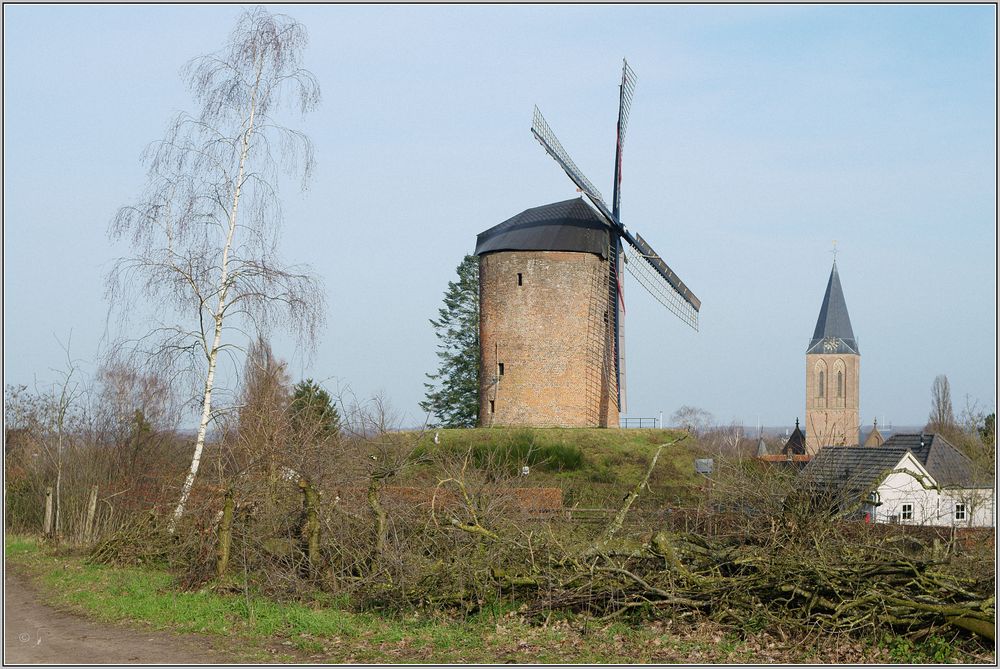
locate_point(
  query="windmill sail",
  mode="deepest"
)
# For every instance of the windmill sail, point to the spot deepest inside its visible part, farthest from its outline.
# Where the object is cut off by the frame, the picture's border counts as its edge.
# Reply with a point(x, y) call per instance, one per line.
point(635, 254)
point(543, 133)
point(660, 281)
point(625, 91)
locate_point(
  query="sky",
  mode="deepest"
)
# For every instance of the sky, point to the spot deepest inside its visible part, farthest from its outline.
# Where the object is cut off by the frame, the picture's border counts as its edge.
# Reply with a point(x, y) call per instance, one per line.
point(758, 135)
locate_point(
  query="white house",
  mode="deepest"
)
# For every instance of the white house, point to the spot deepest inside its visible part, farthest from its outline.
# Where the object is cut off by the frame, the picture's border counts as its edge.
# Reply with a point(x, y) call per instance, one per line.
point(911, 479)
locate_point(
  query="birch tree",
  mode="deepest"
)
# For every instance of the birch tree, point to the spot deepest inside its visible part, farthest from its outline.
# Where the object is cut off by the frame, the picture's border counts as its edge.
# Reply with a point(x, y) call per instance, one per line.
point(204, 233)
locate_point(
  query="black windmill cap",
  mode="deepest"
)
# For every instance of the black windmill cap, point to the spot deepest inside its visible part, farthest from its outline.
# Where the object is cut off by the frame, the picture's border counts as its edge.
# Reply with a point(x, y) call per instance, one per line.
point(570, 225)
point(834, 323)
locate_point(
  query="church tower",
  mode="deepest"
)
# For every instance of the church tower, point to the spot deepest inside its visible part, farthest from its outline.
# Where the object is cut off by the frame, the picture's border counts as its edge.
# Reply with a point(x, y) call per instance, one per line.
point(833, 365)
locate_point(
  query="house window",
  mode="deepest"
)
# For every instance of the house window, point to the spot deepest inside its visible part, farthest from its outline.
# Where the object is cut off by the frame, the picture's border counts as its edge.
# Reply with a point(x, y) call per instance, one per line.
point(960, 511)
point(840, 384)
point(520, 279)
point(906, 512)
point(500, 368)
point(822, 383)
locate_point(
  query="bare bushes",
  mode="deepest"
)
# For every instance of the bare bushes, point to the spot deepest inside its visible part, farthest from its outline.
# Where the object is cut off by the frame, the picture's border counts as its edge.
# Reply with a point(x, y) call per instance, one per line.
point(377, 518)
point(390, 525)
point(96, 439)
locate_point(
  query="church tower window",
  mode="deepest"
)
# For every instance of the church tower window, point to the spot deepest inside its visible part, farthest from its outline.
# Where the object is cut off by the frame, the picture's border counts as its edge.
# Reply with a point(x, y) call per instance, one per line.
point(822, 385)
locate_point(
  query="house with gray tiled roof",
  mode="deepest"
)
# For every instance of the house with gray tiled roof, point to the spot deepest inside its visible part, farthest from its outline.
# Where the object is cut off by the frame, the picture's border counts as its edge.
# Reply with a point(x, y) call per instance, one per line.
point(912, 479)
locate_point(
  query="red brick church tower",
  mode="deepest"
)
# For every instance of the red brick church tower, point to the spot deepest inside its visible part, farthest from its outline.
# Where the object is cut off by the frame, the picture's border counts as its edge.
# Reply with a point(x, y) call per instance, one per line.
point(833, 374)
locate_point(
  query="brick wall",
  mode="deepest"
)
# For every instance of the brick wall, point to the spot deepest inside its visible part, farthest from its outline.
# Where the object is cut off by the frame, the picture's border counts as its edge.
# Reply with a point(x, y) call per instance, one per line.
point(833, 418)
point(550, 330)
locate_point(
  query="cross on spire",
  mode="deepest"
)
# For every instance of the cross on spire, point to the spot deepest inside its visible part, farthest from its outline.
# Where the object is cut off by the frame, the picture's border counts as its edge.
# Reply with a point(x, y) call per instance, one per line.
point(834, 251)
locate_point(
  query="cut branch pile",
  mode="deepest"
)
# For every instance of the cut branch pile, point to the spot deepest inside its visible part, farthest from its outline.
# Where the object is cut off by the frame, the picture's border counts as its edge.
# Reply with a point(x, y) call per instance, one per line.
point(807, 572)
point(772, 585)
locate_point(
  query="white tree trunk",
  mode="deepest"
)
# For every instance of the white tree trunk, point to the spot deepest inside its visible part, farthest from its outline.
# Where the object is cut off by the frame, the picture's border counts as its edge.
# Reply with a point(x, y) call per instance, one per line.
point(213, 351)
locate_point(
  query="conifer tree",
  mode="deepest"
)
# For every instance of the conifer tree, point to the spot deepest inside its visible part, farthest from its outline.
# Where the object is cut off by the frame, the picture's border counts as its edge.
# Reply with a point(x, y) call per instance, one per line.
point(313, 413)
point(453, 394)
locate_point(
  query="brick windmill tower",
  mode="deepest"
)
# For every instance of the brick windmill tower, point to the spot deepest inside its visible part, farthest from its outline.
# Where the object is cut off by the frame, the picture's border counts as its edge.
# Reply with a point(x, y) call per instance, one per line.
point(833, 368)
point(551, 301)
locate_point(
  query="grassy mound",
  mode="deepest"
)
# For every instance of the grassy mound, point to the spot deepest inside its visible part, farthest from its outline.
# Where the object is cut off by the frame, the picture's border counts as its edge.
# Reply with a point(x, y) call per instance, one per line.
point(593, 467)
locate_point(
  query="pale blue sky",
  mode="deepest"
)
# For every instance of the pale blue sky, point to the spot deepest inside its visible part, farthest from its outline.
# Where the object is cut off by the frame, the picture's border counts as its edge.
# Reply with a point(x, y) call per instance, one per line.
point(758, 135)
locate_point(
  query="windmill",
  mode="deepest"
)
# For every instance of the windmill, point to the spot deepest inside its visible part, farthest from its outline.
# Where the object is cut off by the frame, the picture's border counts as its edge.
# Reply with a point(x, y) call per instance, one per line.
point(625, 249)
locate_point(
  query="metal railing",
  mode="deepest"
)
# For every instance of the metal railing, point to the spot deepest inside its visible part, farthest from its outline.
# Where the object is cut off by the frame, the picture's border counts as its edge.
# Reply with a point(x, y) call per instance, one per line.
point(638, 422)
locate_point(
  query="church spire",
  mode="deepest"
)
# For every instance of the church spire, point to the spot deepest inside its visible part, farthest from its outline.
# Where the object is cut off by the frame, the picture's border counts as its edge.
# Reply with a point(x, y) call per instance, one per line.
point(833, 333)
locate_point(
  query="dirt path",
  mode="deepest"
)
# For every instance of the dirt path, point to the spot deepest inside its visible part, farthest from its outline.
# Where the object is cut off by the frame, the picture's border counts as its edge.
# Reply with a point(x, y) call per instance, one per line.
point(36, 633)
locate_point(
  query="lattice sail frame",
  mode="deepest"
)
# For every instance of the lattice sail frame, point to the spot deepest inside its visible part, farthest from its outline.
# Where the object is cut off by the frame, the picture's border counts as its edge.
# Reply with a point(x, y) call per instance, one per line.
point(655, 275)
point(640, 260)
point(543, 133)
point(624, 105)
point(640, 267)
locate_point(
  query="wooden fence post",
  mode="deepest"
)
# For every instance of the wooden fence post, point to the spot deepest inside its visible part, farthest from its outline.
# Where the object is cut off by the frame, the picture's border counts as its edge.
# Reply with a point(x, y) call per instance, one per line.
point(47, 528)
point(225, 535)
point(88, 527)
point(311, 525)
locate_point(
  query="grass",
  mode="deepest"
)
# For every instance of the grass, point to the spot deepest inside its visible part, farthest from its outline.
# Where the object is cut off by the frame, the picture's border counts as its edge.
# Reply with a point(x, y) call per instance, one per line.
point(261, 630)
point(590, 465)
point(150, 597)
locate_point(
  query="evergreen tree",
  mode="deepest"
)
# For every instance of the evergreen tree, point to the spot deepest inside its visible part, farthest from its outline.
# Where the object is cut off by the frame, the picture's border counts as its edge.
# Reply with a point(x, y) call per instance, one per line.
point(313, 415)
point(988, 430)
point(453, 394)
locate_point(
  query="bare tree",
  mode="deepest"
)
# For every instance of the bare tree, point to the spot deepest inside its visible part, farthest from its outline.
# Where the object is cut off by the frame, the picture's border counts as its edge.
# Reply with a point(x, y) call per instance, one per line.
point(693, 419)
point(728, 440)
point(942, 418)
point(205, 232)
point(61, 400)
point(262, 423)
point(133, 408)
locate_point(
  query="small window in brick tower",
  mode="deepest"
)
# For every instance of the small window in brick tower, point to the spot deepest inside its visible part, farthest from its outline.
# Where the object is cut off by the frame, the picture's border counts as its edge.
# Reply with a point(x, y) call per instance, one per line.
point(491, 406)
point(520, 279)
point(500, 365)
